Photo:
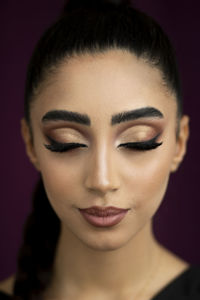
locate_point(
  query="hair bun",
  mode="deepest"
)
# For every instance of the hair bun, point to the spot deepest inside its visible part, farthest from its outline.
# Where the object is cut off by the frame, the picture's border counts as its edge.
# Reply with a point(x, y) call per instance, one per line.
point(95, 4)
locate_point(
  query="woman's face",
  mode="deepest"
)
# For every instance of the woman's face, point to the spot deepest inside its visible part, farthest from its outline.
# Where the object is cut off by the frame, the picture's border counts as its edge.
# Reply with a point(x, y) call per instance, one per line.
point(103, 171)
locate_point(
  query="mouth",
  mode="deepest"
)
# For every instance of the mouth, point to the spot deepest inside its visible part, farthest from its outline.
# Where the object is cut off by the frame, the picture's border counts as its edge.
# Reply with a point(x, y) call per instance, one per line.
point(99, 216)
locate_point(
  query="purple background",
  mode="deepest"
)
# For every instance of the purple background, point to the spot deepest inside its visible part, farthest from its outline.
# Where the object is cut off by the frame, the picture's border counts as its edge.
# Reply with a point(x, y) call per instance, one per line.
point(22, 22)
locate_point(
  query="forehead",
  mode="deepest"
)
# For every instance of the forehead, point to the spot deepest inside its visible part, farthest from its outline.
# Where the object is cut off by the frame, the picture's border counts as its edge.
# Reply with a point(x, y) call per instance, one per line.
point(102, 84)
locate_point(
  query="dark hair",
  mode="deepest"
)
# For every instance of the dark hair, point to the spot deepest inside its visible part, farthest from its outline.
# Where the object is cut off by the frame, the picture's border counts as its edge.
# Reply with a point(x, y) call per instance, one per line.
point(84, 27)
point(36, 255)
point(97, 26)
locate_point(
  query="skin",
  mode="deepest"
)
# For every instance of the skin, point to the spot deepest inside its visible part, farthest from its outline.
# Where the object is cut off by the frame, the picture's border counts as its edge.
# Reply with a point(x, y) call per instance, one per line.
point(116, 262)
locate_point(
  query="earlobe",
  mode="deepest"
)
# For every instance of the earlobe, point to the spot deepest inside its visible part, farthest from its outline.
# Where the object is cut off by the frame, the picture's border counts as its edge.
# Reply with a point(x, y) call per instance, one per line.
point(181, 143)
point(27, 137)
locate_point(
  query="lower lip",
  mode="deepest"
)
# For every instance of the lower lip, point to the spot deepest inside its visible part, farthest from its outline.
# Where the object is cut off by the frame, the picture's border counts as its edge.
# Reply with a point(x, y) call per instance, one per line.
point(103, 221)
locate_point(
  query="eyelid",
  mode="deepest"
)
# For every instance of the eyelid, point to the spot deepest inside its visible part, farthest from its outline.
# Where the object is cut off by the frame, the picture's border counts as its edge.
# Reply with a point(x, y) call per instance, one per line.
point(65, 130)
point(55, 142)
point(152, 126)
point(62, 147)
point(140, 146)
point(152, 143)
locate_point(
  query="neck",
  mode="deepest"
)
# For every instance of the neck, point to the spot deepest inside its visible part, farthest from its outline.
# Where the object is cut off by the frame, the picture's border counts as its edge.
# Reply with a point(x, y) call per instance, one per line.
point(80, 268)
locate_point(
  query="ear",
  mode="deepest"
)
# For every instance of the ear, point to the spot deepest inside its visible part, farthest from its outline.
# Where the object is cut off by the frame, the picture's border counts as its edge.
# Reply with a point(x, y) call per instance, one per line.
point(181, 143)
point(28, 140)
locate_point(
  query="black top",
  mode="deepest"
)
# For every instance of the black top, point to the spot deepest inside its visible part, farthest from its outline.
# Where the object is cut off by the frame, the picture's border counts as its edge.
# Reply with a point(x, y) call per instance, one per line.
point(185, 286)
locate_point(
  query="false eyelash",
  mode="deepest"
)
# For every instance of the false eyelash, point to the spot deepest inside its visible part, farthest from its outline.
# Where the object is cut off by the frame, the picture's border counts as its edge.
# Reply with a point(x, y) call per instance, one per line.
point(62, 147)
point(142, 146)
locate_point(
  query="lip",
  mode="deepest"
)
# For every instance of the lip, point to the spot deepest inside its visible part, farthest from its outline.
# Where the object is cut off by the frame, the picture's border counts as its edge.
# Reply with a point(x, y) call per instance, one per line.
point(103, 216)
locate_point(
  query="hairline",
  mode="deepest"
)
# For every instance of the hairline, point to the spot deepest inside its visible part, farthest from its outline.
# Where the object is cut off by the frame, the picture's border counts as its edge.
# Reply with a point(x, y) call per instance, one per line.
point(52, 70)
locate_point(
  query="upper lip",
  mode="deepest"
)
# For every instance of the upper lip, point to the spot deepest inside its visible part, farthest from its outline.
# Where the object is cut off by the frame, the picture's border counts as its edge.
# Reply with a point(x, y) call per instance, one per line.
point(103, 211)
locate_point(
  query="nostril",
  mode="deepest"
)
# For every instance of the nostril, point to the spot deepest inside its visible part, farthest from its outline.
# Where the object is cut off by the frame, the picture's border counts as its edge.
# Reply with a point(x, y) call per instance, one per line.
point(101, 186)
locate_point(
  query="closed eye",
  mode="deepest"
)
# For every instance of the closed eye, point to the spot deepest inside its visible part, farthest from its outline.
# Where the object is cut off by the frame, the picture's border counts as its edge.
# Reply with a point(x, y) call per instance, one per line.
point(55, 146)
point(142, 146)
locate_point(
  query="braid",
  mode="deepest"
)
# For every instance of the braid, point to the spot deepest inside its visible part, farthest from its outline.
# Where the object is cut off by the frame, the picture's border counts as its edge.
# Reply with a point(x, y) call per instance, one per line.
point(36, 255)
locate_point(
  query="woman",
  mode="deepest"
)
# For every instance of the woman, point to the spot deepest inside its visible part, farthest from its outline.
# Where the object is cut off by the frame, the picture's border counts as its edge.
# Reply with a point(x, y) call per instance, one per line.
point(104, 127)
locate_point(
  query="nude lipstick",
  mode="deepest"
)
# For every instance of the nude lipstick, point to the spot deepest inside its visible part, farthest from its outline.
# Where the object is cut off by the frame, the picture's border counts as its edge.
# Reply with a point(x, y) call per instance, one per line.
point(103, 216)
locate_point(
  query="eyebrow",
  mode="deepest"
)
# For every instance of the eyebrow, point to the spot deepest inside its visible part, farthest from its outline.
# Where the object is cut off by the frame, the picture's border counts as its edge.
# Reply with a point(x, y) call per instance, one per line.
point(64, 115)
point(145, 112)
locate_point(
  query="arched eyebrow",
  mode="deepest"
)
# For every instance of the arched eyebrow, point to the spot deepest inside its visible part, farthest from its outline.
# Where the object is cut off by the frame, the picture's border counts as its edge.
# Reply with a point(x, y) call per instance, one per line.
point(65, 115)
point(144, 112)
point(70, 116)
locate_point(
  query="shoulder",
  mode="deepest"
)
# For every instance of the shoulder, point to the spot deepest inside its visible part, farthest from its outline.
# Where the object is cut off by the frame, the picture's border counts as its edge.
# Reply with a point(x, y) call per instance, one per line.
point(185, 286)
point(177, 279)
point(6, 287)
point(190, 280)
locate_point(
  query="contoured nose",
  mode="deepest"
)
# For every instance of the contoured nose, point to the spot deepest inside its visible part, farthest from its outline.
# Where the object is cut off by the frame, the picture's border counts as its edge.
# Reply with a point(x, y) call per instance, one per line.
point(102, 175)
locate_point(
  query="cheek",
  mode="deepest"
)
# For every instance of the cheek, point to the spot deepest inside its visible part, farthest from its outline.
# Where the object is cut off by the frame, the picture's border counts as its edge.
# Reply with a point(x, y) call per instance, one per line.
point(147, 181)
point(61, 181)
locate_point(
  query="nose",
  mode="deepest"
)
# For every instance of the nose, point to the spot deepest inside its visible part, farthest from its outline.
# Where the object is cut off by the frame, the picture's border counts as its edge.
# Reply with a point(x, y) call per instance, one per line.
point(102, 176)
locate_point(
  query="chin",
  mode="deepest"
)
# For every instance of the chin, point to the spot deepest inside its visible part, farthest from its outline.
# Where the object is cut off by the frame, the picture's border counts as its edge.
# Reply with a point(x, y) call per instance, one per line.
point(105, 241)
point(104, 246)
